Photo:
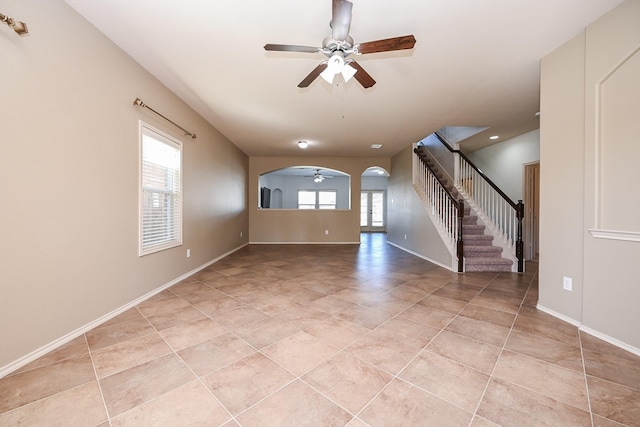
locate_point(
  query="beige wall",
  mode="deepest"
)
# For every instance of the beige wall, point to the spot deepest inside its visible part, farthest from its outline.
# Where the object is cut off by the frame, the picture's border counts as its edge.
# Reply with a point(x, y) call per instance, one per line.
point(69, 168)
point(562, 178)
point(504, 162)
point(580, 132)
point(308, 226)
point(409, 226)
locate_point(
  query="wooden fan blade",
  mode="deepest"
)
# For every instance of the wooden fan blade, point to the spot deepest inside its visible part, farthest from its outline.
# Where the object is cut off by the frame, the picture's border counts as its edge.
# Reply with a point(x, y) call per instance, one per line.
point(362, 76)
point(395, 43)
point(313, 75)
point(290, 48)
point(341, 20)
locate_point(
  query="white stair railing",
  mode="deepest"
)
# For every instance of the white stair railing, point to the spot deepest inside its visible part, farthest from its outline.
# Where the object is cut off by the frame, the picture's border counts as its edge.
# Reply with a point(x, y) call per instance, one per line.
point(445, 211)
point(501, 215)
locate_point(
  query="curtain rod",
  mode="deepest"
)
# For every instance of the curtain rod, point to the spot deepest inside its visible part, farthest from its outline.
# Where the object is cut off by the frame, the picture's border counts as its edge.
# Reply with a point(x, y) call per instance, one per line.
point(139, 103)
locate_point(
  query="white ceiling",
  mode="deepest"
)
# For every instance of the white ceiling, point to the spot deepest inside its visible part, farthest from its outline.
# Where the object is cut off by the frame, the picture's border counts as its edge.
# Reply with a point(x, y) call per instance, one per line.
point(475, 63)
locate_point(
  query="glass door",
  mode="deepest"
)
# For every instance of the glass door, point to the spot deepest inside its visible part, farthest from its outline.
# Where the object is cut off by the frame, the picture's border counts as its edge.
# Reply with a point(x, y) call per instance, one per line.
point(372, 212)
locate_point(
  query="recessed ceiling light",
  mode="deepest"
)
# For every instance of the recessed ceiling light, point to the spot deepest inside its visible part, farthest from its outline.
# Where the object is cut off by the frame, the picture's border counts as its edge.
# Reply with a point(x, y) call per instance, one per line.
point(303, 144)
point(376, 146)
point(494, 137)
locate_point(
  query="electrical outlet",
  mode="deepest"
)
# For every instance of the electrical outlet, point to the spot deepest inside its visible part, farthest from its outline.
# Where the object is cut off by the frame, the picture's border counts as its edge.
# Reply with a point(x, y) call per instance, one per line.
point(241, 234)
point(567, 284)
point(326, 231)
point(188, 253)
point(405, 237)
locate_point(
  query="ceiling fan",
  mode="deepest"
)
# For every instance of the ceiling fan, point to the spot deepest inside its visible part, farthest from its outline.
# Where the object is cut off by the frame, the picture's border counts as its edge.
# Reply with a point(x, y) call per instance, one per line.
point(338, 46)
point(318, 177)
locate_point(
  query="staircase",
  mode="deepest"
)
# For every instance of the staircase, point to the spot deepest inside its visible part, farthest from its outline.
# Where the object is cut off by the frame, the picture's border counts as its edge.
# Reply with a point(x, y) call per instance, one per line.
point(480, 254)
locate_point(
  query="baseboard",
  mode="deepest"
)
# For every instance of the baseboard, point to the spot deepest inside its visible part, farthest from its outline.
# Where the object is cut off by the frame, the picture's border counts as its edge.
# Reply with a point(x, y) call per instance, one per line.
point(448, 267)
point(611, 340)
point(305, 243)
point(590, 331)
point(567, 319)
point(17, 364)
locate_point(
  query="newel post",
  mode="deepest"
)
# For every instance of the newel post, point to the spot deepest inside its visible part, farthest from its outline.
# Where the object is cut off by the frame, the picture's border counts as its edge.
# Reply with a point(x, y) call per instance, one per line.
point(460, 243)
point(519, 242)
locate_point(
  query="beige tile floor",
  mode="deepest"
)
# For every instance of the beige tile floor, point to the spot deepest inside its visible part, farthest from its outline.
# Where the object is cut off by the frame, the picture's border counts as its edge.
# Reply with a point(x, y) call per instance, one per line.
point(331, 335)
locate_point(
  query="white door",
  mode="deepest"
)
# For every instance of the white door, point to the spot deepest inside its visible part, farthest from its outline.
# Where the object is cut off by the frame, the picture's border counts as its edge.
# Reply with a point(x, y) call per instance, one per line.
point(372, 212)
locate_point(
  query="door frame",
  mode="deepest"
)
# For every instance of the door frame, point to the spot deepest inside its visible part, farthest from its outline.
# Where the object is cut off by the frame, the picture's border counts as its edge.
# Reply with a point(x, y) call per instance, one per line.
point(531, 223)
point(369, 228)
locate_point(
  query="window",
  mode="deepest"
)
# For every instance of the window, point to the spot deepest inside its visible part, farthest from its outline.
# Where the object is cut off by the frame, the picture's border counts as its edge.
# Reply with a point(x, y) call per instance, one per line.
point(317, 199)
point(160, 191)
point(306, 199)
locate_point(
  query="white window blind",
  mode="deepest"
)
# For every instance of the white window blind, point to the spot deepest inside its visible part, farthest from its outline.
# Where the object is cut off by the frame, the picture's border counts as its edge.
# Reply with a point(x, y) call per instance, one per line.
point(160, 191)
point(327, 199)
point(317, 199)
point(306, 199)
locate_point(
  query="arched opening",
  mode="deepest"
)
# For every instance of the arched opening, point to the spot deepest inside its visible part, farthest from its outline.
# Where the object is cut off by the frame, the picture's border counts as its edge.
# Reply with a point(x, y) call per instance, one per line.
point(373, 200)
point(305, 187)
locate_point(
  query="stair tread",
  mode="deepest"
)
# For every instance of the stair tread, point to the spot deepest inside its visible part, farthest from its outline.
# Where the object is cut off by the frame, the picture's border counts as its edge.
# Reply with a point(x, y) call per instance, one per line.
point(488, 260)
point(481, 248)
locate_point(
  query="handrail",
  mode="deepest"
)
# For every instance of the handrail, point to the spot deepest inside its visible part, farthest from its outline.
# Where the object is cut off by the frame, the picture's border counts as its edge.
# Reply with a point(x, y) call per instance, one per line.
point(453, 199)
point(482, 174)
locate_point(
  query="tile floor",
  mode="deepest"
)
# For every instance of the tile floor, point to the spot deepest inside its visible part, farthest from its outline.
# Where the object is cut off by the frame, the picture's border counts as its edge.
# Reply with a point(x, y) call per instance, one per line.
point(331, 335)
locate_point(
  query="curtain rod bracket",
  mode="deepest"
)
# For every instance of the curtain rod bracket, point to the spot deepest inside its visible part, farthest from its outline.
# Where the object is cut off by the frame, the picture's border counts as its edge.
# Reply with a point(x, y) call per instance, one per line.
point(138, 102)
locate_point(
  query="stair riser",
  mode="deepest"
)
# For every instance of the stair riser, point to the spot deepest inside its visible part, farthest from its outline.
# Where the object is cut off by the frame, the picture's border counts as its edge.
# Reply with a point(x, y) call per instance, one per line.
point(483, 251)
point(470, 220)
point(487, 268)
point(468, 241)
point(472, 230)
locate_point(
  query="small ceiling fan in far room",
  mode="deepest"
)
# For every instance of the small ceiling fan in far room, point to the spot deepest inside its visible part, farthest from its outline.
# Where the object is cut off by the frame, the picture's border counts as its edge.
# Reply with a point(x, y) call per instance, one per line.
point(339, 45)
point(318, 177)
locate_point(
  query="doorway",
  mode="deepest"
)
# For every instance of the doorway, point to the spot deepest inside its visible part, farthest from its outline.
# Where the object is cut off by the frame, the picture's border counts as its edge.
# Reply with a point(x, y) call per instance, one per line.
point(532, 211)
point(372, 212)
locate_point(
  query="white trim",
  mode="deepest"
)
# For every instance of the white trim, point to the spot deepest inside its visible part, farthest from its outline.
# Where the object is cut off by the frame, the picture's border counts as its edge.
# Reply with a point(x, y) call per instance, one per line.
point(448, 267)
point(629, 236)
point(590, 331)
point(610, 340)
point(24, 360)
point(144, 129)
point(558, 315)
point(305, 243)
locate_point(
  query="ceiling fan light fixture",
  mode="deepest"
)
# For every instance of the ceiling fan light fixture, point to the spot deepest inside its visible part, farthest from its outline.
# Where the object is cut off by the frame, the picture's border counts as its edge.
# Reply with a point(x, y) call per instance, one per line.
point(336, 62)
point(336, 65)
point(327, 75)
point(348, 72)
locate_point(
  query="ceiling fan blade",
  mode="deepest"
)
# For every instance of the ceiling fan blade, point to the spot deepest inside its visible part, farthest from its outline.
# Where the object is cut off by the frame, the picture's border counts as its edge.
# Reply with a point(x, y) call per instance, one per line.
point(362, 76)
point(313, 75)
point(395, 43)
point(290, 48)
point(341, 20)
